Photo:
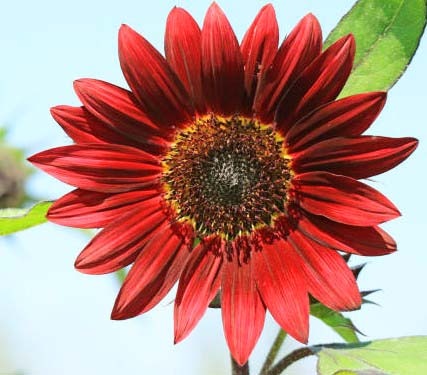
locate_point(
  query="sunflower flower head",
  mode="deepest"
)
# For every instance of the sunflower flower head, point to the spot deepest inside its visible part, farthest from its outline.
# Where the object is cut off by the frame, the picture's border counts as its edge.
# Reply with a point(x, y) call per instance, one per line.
point(242, 146)
point(227, 176)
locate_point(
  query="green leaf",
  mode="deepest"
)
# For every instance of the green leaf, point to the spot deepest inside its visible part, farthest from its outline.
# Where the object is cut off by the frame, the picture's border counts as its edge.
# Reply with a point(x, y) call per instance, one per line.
point(121, 275)
point(400, 356)
point(337, 321)
point(387, 35)
point(15, 219)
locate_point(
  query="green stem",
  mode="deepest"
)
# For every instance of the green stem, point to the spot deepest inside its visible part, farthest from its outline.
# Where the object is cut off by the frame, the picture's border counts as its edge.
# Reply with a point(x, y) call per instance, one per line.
point(274, 350)
point(285, 362)
point(236, 369)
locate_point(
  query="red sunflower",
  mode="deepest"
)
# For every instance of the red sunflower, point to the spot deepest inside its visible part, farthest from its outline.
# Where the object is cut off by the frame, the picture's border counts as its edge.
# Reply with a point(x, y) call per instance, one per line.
point(243, 147)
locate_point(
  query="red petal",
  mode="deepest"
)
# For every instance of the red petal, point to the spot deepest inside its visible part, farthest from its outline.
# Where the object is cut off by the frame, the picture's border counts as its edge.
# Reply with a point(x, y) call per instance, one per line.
point(243, 312)
point(153, 275)
point(83, 127)
point(367, 241)
point(100, 167)
point(119, 109)
point(197, 286)
point(282, 287)
point(259, 46)
point(358, 157)
point(320, 83)
point(158, 89)
point(89, 209)
point(222, 64)
point(297, 51)
point(342, 199)
point(347, 117)
point(183, 49)
point(120, 242)
point(328, 277)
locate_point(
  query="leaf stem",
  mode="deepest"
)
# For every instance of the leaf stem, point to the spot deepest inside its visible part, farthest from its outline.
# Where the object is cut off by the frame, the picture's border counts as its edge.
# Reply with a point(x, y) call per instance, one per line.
point(236, 369)
point(274, 350)
point(285, 362)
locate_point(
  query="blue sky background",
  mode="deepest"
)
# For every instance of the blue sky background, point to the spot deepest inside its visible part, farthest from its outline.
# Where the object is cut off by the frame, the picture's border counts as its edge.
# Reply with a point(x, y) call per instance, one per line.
point(54, 320)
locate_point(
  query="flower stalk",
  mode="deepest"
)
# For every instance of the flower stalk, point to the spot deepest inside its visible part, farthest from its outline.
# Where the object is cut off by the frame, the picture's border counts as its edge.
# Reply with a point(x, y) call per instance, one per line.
point(236, 369)
point(274, 350)
point(291, 358)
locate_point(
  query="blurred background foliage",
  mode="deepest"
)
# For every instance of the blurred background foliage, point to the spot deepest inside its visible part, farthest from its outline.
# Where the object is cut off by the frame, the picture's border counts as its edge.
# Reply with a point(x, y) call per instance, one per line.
point(14, 172)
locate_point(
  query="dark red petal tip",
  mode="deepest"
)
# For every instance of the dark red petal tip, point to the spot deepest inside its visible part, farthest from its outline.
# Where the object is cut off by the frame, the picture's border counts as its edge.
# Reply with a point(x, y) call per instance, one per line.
point(57, 110)
point(347, 117)
point(320, 83)
point(107, 168)
point(283, 288)
point(350, 45)
point(159, 91)
point(120, 111)
point(243, 312)
point(346, 43)
point(121, 241)
point(183, 53)
point(87, 209)
point(356, 157)
point(412, 143)
point(222, 64)
point(198, 285)
point(297, 52)
point(34, 159)
point(366, 241)
point(327, 275)
point(79, 83)
point(343, 199)
point(84, 127)
point(153, 274)
point(382, 94)
point(117, 315)
point(259, 47)
point(349, 38)
point(310, 18)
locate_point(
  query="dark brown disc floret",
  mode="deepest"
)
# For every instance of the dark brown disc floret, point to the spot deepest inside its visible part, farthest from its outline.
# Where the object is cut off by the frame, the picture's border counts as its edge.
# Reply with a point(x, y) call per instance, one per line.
point(227, 176)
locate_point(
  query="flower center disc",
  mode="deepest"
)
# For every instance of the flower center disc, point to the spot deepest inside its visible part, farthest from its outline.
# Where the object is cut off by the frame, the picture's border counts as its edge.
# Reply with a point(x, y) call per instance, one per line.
point(227, 176)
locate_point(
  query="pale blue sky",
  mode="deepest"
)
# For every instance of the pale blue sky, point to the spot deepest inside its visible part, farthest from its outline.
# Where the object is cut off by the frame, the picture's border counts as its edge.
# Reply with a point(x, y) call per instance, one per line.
point(55, 321)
